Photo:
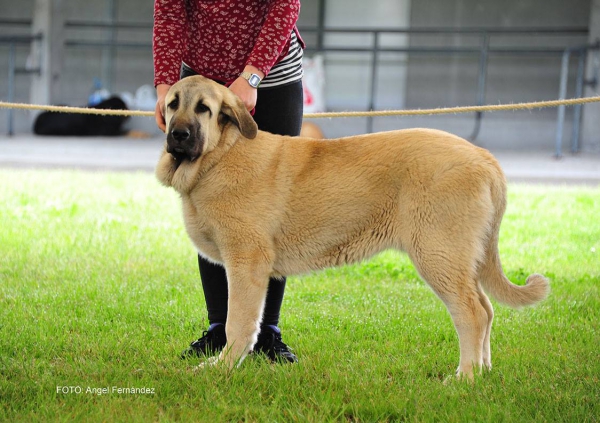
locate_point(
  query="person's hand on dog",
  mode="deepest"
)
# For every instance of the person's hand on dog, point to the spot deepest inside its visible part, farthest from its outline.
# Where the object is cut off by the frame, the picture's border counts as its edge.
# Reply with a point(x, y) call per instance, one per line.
point(161, 93)
point(244, 91)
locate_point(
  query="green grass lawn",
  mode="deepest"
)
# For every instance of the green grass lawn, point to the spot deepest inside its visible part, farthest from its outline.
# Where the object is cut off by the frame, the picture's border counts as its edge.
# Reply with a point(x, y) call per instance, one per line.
point(99, 288)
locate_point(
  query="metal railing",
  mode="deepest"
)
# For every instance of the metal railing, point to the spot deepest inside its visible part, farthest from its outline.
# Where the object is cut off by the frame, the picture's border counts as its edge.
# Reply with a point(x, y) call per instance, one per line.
point(580, 82)
point(483, 51)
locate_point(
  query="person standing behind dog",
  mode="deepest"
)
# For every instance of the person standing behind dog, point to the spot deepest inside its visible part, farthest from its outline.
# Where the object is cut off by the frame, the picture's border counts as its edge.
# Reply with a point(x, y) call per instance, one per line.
point(254, 48)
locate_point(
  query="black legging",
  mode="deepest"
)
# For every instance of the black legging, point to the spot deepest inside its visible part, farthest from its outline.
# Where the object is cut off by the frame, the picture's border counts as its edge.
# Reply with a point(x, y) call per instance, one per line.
point(279, 111)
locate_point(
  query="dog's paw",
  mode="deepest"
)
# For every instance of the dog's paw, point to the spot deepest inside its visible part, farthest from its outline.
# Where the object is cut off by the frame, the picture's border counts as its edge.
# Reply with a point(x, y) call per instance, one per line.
point(210, 362)
point(459, 376)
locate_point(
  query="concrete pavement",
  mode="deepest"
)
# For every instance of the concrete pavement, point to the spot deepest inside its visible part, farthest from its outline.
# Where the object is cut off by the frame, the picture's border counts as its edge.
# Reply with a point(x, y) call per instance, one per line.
point(134, 154)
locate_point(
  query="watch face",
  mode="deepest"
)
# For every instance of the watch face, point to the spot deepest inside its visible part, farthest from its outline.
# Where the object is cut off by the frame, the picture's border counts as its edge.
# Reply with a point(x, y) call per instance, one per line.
point(254, 80)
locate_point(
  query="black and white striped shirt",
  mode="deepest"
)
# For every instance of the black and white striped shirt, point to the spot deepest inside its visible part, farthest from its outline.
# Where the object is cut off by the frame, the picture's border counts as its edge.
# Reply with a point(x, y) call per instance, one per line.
point(289, 69)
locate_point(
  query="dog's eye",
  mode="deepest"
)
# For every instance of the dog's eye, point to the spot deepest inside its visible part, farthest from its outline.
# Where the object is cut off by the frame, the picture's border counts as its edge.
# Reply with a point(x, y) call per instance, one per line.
point(201, 108)
point(174, 104)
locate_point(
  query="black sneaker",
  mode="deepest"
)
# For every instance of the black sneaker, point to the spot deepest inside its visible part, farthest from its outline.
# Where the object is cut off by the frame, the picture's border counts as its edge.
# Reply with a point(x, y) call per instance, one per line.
point(212, 341)
point(270, 343)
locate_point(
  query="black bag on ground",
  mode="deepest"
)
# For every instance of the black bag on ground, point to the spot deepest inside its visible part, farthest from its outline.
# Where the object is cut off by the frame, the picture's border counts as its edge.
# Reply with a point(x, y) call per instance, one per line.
point(56, 123)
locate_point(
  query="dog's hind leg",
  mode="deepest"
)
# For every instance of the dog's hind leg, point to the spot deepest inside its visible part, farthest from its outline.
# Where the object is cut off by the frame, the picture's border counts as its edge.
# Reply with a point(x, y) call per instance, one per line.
point(487, 305)
point(455, 285)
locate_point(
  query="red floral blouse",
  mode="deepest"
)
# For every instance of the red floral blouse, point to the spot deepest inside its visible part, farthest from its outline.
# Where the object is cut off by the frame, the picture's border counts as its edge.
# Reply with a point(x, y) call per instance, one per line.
point(217, 38)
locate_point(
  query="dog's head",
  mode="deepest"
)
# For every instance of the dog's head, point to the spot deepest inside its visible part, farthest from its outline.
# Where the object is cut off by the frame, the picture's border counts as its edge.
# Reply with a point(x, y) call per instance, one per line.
point(197, 110)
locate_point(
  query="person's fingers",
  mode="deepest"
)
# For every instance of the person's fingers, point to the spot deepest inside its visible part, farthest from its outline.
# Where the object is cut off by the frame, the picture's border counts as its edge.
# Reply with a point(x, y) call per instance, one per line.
point(158, 116)
point(161, 93)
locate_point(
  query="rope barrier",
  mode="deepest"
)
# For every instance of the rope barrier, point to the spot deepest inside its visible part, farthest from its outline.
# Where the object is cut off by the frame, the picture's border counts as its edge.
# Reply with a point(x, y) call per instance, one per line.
point(374, 113)
point(460, 109)
point(69, 109)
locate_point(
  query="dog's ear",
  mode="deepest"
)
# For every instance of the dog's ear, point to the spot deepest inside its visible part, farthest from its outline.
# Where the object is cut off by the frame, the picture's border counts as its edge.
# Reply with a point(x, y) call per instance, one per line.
point(234, 109)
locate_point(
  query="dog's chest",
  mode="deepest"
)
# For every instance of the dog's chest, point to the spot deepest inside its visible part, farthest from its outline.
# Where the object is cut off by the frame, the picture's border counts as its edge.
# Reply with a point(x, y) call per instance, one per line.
point(200, 231)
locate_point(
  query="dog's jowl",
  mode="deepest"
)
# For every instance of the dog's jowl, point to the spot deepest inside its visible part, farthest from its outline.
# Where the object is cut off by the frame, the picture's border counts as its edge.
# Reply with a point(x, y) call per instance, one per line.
point(265, 205)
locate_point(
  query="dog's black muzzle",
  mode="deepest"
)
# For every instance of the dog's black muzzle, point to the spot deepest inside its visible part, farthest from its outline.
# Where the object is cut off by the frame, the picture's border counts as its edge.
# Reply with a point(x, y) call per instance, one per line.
point(184, 143)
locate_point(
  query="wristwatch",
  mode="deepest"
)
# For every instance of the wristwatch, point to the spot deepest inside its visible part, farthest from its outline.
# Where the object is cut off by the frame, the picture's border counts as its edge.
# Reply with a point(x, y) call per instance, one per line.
point(252, 78)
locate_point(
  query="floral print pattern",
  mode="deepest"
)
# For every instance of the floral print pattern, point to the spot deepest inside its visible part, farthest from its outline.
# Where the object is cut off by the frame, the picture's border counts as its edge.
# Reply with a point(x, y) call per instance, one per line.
point(217, 38)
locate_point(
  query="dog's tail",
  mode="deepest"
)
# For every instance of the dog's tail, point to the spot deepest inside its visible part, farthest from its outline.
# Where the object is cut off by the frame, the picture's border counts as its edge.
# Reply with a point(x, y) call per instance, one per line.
point(494, 281)
point(491, 275)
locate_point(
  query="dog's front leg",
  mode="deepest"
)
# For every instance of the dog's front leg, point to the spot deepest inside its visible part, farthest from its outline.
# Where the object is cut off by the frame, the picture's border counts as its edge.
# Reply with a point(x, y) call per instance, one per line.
point(248, 279)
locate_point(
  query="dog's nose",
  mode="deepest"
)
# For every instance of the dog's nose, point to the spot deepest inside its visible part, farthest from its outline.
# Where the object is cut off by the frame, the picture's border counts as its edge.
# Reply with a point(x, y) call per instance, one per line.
point(180, 135)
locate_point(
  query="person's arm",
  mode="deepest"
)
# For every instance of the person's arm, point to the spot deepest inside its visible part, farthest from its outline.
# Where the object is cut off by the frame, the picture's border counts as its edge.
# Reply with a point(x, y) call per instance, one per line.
point(168, 42)
point(274, 34)
point(272, 39)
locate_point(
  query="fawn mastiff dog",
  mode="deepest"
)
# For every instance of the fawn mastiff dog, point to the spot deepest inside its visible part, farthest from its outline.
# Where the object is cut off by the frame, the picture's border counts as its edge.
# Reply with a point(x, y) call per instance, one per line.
point(266, 205)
